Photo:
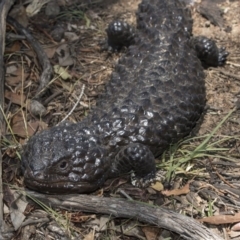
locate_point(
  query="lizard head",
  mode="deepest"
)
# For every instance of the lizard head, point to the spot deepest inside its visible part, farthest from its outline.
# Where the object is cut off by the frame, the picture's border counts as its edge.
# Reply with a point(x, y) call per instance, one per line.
point(64, 159)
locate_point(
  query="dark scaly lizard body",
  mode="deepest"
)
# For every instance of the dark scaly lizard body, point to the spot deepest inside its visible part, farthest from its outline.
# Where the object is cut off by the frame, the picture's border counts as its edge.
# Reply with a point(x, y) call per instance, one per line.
point(154, 98)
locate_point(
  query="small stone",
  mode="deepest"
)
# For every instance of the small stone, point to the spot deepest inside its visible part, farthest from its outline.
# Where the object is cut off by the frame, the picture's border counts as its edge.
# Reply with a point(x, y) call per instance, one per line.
point(52, 9)
point(57, 33)
point(36, 108)
point(207, 24)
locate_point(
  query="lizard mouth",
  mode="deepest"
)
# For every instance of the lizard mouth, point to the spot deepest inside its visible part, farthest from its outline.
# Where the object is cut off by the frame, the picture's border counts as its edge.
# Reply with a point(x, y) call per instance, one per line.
point(51, 185)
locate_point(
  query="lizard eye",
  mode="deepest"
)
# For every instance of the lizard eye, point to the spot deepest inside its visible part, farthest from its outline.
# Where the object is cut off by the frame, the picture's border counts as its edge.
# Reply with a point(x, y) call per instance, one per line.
point(63, 165)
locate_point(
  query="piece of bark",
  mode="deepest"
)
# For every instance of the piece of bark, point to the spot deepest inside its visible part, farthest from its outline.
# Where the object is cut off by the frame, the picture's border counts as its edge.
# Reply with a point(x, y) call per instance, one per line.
point(186, 227)
point(212, 12)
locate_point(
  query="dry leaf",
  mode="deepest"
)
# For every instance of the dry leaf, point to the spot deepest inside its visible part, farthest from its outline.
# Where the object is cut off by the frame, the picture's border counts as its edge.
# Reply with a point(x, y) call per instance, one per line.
point(62, 72)
point(236, 227)
point(15, 47)
point(11, 68)
point(15, 98)
point(50, 51)
point(65, 59)
point(157, 186)
point(151, 233)
point(130, 229)
point(19, 127)
point(71, 36)
point(19, 14)
point(221, 219)
point(103, 223)
point(177, 192)
point(17, 208)
point(90, 236)
point(16, 77)
point(233, 235)
point(77, 217)
point(35, 6)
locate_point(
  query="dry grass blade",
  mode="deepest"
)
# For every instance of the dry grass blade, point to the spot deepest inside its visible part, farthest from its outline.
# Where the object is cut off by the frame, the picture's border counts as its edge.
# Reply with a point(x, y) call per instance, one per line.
point(182, 153)
point(60, 219)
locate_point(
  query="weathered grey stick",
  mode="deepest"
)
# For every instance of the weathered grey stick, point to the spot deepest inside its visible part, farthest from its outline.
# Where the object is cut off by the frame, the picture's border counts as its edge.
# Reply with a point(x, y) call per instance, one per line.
point(185, 226)
point(5, 5)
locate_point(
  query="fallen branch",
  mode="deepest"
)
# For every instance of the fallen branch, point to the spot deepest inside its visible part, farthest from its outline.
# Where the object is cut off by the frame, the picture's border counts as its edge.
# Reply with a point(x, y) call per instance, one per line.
point(5, 5)
point(186, 227)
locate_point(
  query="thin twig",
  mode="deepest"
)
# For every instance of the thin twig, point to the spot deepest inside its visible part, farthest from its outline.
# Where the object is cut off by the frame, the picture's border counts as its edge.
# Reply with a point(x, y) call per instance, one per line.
point(125, 194)
point(75, 105)
point(230, 74)
point(35, 221)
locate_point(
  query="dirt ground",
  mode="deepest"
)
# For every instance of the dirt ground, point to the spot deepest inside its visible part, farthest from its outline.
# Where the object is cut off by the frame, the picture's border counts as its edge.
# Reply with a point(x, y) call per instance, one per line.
point(211, 178)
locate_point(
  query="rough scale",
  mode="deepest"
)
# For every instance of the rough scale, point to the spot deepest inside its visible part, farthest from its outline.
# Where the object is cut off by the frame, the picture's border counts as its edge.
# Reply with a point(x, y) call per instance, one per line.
point(154, 98)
